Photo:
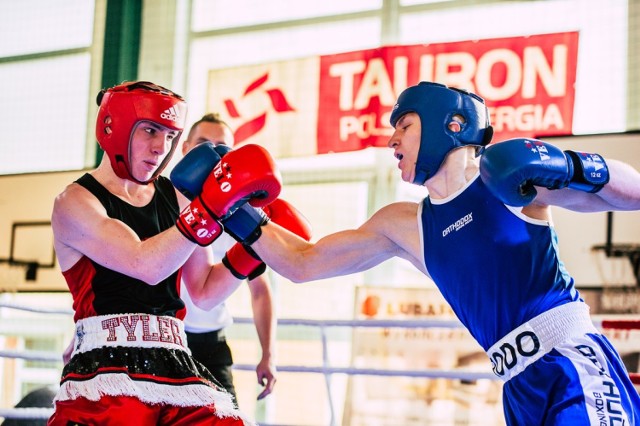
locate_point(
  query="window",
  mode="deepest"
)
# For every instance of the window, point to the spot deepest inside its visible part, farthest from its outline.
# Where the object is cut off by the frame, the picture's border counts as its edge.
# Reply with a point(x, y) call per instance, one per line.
point(45, 67)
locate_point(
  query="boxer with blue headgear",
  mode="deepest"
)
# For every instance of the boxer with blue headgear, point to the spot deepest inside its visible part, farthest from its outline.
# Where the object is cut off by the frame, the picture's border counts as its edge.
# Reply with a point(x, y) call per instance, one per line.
point(496, 264)
point(436, 105)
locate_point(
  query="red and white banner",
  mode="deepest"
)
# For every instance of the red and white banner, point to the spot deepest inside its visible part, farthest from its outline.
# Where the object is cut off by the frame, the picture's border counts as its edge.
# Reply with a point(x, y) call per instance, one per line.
point(338, 103)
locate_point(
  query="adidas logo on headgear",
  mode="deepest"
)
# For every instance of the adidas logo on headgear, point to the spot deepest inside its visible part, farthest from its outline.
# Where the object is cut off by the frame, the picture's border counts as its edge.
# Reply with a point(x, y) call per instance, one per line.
point(170, 114)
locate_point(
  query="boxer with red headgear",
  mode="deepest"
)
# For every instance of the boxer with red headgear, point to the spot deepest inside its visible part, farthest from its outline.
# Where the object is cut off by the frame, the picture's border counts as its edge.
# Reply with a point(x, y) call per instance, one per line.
point(124, 237)
point(123, 108)
point(483, 234)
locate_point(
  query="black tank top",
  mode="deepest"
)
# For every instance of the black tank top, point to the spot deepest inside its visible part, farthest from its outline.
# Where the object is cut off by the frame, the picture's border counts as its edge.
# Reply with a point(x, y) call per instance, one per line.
point(116, 293)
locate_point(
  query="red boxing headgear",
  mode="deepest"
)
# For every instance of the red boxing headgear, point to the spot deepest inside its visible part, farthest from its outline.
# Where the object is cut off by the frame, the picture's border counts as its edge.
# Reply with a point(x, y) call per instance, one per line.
point(125, 105)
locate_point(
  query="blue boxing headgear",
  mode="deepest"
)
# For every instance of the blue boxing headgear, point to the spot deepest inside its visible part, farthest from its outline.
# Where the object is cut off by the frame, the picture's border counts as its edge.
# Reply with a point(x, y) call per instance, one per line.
point(436, 104)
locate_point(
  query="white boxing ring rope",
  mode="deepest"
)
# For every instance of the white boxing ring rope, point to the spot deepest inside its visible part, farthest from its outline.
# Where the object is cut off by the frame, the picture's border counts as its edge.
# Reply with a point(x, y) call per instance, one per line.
point(600, 321)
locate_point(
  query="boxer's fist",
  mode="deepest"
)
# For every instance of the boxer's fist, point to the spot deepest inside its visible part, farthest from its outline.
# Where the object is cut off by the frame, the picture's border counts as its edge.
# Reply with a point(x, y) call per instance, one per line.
point(512, 168)
point(189, 174)
point(247, 174)
point(241, 260)
point(244, 224)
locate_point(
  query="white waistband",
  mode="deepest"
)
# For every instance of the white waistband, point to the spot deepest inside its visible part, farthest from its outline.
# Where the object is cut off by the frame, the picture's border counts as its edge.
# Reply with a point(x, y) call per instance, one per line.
point(130, 330)
point(537, 337)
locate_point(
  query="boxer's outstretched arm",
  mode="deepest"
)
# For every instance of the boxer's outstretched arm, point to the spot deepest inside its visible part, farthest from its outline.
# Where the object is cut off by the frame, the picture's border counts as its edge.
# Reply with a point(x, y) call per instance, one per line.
point(392, 231)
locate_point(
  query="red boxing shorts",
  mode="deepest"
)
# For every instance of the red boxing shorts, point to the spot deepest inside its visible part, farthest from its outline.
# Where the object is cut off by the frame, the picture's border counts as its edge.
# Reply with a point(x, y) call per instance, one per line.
point(138, 359)
point(128, 410)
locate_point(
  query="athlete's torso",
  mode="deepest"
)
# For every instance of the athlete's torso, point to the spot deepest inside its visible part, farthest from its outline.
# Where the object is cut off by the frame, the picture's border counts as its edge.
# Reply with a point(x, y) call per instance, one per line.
point(97, 290)
point(496, 267)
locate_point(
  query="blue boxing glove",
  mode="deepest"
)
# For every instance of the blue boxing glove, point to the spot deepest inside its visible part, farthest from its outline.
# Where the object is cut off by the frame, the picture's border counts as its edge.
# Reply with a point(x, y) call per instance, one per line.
point(244, 224)
point(222, 149)
point(241, 260)
point(189, 174)
point(196, 222)
point(512, 168)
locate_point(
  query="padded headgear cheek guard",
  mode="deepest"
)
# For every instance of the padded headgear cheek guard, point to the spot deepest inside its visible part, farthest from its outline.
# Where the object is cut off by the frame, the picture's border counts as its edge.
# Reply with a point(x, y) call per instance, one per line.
point(124, 106)
point(436, 105)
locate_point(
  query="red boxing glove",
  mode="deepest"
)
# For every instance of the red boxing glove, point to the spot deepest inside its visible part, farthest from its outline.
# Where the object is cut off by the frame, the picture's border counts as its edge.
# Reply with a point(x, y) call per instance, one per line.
point(247, 174)
point(284, 214)
point(198, 225)
point(243, 262)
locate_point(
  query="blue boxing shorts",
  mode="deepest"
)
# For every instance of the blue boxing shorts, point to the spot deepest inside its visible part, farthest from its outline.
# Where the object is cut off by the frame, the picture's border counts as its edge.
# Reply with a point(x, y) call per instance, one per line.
point(559, 370)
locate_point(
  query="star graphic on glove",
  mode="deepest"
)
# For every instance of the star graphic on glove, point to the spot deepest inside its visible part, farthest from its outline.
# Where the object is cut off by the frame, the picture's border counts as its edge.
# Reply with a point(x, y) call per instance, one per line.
point(226, 169)
point(531, 146)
